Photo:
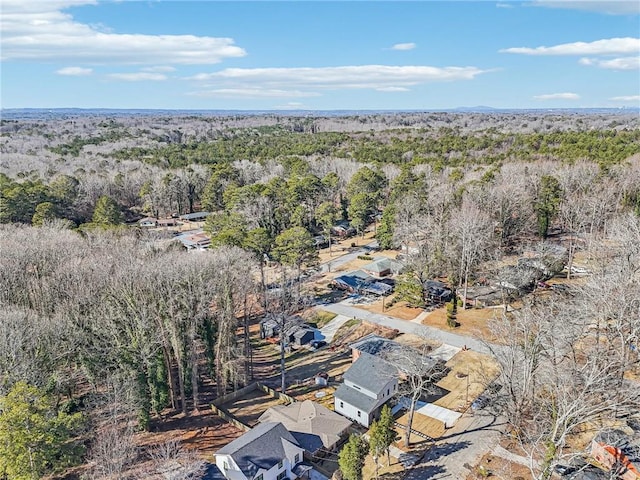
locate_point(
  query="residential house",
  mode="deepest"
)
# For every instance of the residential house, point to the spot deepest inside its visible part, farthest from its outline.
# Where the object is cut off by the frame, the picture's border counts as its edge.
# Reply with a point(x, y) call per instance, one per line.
point(618, 452)
point(148, 222)
point(343, 229)
point(195, 217)
point(373, 345)
point(196, 241)
point(266, 452)
point(437, 292)
point(167, 222)
point(368, 384)
point(315, 428)
point(381, 267)
point(359, 281)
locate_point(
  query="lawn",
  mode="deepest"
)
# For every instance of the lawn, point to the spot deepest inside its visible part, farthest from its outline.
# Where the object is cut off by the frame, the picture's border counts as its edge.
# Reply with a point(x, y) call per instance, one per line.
point(472, 321)
point(321, 318)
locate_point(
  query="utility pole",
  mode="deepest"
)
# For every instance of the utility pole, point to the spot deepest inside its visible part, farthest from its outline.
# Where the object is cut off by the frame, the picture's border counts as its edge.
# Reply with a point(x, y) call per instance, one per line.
point(466, 399)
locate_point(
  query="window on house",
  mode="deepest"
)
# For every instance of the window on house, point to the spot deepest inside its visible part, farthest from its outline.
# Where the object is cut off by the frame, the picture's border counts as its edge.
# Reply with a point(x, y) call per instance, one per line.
point(279, 464)
point(297, 458)
point(281, 475)
point(259, 477)
point(225, 465)
point(341, 404)
point(388, 391)
point(359, 413)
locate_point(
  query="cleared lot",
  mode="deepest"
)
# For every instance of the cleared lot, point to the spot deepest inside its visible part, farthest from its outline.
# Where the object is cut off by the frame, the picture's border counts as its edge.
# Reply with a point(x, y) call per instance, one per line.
point(249, 407)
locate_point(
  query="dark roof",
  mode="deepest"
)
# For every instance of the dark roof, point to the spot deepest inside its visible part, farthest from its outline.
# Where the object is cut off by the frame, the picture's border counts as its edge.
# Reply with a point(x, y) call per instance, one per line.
point(349, 281)
point(590, 473)
point(261, 447)
point(212, 472)
point(374, 345)
point(302, 331)
point(371, 373)
point(354, 397)
point(192, 216)
point(377, 288)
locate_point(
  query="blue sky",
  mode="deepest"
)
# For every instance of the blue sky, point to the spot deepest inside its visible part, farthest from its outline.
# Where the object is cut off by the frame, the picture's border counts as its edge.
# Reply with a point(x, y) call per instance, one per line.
point(319, 55)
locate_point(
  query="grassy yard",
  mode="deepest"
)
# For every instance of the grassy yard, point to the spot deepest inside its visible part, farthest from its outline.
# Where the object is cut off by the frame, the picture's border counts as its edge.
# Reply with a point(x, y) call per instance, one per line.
point(344, 329)
point(321, 318)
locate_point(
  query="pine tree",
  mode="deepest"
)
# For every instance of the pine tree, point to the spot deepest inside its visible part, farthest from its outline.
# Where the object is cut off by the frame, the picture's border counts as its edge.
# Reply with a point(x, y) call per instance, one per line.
point(34, 439)
point(351, 458)
point(452, 311)
point(107, 212)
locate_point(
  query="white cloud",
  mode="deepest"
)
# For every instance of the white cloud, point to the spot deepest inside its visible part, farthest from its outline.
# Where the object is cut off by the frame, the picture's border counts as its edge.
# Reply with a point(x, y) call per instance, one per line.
point(138, 77)
point(558, 96)
point(159, 69)
point(610, 7)
point(41, 30)
point(392, 89)
point(503, 5)
point(404, 46)
point(609, 46)
point(626, 98)
point(373, 77)
point(622, 63)
point(75, 71)
point(253, 93)
point(291, 106)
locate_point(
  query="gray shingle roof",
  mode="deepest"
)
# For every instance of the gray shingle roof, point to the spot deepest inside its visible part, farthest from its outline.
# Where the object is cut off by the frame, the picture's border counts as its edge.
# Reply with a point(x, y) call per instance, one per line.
point(261, 447)
point(371, 373)
point(312, 425)
point(355, 398)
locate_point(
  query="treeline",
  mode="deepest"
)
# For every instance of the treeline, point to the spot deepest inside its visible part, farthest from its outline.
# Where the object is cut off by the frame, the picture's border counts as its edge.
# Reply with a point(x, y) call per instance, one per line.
point(83, 314)
point(447, 147)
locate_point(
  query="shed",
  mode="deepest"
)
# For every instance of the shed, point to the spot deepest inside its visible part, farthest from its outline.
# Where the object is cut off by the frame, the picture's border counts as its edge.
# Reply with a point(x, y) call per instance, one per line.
point(302, 335)
point(269, 327)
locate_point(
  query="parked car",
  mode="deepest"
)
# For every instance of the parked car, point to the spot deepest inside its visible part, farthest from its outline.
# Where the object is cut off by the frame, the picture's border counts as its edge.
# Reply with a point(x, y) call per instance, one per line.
point(480, 402)
point(318, 344)
point(564, 469)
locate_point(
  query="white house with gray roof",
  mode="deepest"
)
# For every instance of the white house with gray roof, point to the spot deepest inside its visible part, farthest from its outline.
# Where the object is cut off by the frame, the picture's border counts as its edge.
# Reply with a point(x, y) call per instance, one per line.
point(368, 384)
point(266, 452)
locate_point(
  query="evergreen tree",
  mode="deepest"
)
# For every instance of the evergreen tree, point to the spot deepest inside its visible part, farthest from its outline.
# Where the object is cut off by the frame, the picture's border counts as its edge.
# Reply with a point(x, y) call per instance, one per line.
point(44, 211)
point(34, 439)
point(452, 311)
point(107, 212)
point(351, 458)
point(381, 435)
point(387, 429)
point(547, 203)
point(384, 234)
point(327, 215)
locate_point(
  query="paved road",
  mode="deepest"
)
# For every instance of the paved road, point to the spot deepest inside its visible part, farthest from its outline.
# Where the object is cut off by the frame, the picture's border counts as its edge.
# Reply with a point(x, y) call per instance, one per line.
point(405, 326)
point(334, 263)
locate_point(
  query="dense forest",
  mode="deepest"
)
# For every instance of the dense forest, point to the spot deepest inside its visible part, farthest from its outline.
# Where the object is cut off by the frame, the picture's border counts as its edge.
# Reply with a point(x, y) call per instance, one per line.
point(100, 319)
